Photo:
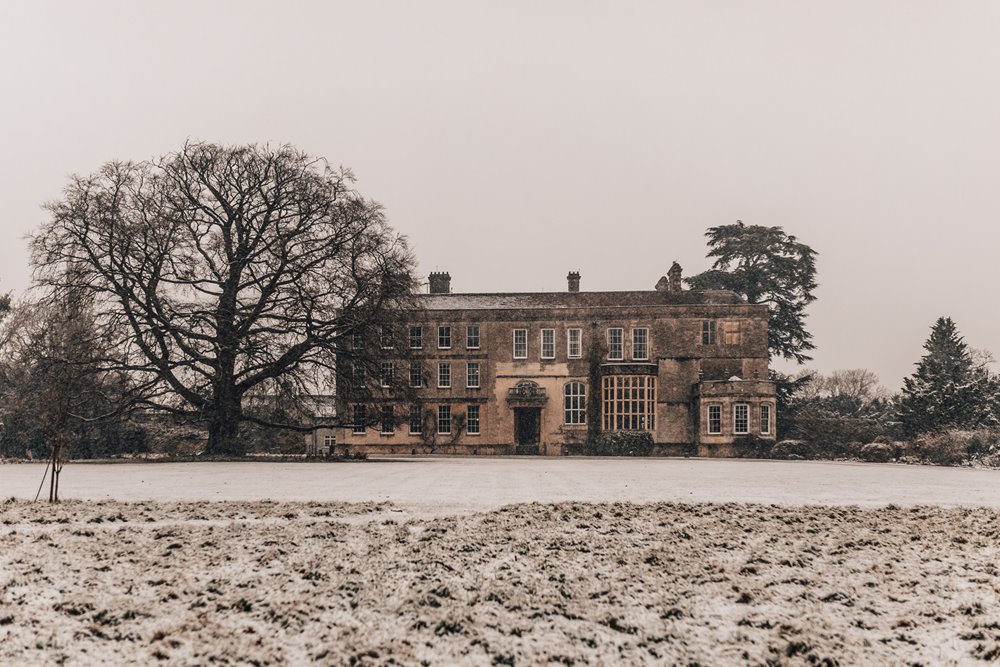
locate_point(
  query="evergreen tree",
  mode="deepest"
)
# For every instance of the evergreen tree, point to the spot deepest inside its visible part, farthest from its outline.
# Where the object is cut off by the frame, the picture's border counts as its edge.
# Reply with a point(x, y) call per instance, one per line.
point(948, 390)
point(766, 266)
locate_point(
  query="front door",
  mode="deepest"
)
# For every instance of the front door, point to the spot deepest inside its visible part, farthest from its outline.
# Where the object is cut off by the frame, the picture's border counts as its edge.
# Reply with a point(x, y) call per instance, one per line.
point(527, 429)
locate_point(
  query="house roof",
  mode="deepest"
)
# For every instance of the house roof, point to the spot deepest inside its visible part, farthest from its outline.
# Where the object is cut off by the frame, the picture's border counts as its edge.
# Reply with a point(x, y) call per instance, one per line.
point(543, 300)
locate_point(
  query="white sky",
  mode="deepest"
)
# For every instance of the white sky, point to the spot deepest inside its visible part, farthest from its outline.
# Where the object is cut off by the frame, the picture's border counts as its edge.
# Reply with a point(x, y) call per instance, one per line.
point(515, 141)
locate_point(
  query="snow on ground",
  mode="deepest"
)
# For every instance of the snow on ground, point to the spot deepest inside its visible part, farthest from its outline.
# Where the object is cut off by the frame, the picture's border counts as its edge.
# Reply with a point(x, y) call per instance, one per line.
point(553, 584)
point(426, 561)
point(437, 486)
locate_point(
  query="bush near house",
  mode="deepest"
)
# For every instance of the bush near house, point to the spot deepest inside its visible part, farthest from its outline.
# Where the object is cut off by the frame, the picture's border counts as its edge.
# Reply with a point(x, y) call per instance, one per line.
point(617, 443)
point(956, 446)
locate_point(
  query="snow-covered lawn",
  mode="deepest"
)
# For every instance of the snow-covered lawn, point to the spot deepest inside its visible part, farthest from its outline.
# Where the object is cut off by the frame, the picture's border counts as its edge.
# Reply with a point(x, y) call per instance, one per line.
point(438, 486)
point(561, 584)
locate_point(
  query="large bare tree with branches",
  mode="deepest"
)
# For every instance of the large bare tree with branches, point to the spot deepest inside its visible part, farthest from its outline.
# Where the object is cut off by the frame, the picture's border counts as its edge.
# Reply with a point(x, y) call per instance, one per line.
point(223, 274)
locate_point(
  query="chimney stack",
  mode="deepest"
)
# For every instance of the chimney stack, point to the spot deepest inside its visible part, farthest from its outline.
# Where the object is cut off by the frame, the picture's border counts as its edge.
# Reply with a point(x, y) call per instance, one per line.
point(574, 281)
point(674, 278)
point(440, 282)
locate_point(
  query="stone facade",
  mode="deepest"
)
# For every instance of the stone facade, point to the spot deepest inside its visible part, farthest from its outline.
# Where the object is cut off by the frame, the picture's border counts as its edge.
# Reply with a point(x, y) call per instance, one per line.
point(690, 367)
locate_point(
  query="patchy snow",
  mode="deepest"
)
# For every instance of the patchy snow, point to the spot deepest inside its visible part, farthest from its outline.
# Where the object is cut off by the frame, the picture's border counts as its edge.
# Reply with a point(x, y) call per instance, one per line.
point(436, 486)
point(565, 584)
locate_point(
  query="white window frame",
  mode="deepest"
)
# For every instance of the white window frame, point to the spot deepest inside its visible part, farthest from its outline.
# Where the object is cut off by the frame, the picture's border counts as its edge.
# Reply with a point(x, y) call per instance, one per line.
point(569, 343)
point(417, 411)
point(575, 403)
point(765, 409)
point(736, 412)
point(444, 331)
point(469, 337)
point(628, 402)
point(708, 419)
point(524, 344)
point(419, 377)
point(419, 338)
point(392, 420)
point(548, 346)
point(358, 427)
point(329, 440)
point(469, 376)
point(645, 344)
point(444, 369)
point(444, 417)
point(386, 375)
point(621, 344)
point(386, 335)
point(469, 421)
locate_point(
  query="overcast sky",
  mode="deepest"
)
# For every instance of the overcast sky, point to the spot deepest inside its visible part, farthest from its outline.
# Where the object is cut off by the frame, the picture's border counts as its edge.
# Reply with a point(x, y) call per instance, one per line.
point(512, 142)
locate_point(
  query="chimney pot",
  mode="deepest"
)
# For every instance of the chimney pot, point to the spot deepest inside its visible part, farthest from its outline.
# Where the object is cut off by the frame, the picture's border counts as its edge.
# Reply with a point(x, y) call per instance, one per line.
point(573, 279)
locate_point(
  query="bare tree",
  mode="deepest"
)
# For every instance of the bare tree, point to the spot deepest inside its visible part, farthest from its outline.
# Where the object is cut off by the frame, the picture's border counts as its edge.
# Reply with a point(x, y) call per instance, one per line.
point(223, 273)
point(52, 384)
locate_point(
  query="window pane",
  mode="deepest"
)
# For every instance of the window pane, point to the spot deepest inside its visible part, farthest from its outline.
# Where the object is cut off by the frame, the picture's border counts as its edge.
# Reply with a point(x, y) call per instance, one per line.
point(741, 418)
point(615, 350)
point(548, 343)
point(472, 337)
point(416, 337)
point(388, 419)
point(416, 419)
point(574, 403)
point(472, 419)
point(640, 347)
point(520, 343)
point(573, 347)
point(444, 419)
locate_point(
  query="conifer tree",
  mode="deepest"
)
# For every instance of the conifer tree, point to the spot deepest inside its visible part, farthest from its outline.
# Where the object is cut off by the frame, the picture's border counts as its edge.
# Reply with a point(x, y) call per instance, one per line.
point(948, 390)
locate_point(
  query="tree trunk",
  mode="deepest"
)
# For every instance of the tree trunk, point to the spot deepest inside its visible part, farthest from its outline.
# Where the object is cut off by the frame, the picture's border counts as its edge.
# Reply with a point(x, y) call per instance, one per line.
point(224, 428)
point(57, 447)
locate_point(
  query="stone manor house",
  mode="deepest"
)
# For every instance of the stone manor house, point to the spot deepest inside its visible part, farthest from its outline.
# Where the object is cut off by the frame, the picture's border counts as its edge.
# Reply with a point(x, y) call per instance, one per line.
point(522, 373)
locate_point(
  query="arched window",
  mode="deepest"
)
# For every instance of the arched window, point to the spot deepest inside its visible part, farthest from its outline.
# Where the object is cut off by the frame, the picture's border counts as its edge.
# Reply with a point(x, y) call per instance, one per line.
point(575, 403)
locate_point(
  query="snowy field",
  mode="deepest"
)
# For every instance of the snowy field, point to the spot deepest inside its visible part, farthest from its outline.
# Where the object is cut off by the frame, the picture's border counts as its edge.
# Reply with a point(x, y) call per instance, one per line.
point(425, 562)
point(565, 584)
point(436, 486)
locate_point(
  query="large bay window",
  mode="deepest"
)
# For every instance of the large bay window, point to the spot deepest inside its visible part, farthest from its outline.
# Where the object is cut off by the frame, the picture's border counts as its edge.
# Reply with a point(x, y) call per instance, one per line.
point(629, 402)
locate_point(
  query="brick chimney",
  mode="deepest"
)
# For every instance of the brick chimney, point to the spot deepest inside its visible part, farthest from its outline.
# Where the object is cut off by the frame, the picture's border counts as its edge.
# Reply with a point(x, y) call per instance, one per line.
point(574, 281)
point(674, 278)
point(440, 282)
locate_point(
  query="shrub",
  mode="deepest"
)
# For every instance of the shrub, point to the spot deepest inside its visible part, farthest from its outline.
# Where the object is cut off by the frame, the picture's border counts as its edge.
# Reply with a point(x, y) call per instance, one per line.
point(832, 435)
point(878, 452)
point(792, 450)
point(616, 443)
point(752, 447)
point(944, 448)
